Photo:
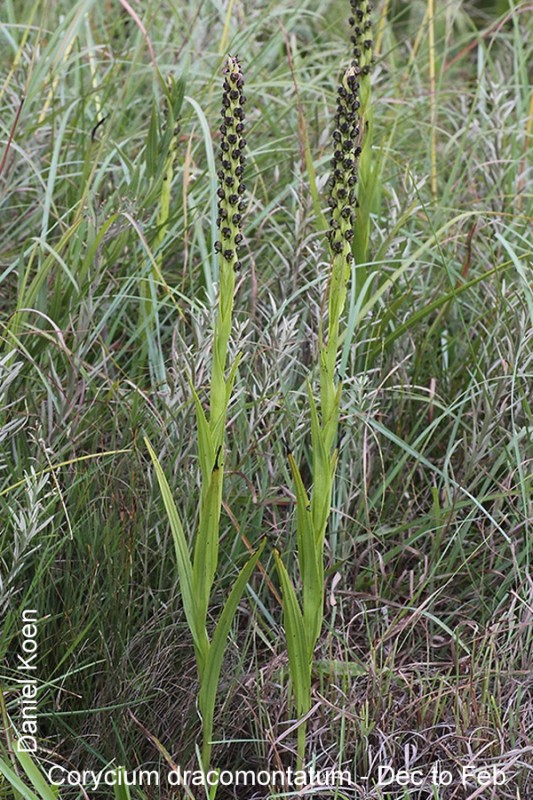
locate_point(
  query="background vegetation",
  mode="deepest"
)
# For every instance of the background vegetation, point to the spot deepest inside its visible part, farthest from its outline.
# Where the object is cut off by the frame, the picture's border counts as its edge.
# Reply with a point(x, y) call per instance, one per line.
point(106, 305)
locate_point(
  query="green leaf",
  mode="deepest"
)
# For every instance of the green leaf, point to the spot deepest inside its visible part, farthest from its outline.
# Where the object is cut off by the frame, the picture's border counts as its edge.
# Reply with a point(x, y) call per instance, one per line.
point(121, 791)
point(151, 144)
point(18, 785)
point(183, 559)
point(206, 450)
point(322, 466)
point(206, 545)
point(297, 647)
point(310, 560)
point(38, 781)
point(210, 678)
point(177, 94)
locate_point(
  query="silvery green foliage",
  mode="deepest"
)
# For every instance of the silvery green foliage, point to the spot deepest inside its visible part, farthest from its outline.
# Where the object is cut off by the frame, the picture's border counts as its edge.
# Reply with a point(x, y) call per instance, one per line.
point(9, 369)
point(26, 516)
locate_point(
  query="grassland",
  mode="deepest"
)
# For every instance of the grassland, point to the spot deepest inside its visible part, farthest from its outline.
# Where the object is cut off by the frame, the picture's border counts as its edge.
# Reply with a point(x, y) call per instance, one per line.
point(108, 296)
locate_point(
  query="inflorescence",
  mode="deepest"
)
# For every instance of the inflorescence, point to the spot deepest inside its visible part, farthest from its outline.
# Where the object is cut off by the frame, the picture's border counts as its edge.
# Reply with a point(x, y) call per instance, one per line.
point(231, 187)
point(342, 198)
point(361, 37)
point(344, 166)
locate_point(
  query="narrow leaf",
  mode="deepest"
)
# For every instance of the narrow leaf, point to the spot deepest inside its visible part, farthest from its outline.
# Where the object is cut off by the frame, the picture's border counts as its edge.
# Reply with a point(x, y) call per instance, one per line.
point(38, 781)
point(322, 479)
point(309, 559)
point(151, 144)
point(121, 790)
point(206, 450)
point(183, 560)
point(297, 647)
point(209, 681)
point(18, 785)
point(206, 545)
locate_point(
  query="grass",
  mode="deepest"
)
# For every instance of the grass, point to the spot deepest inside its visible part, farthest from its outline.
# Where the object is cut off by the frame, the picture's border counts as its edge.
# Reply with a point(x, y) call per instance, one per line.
point(108, 309)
